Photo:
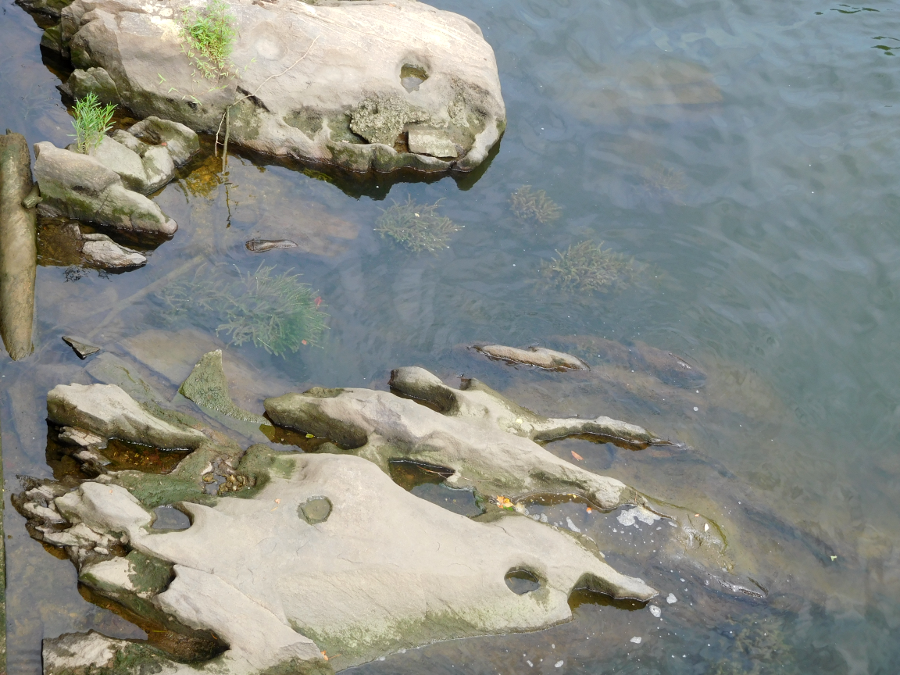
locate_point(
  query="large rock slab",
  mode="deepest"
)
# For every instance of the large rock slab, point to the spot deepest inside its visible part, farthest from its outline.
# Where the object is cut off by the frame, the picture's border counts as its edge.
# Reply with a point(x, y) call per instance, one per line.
point(365, 85)
point(282, 581)
point(83, 188)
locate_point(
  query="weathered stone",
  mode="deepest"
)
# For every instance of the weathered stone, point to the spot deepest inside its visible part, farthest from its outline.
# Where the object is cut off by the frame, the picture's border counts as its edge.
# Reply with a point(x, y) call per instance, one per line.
point(145, 173)
point(80, 187)
point(49, 7)
point(534, 356)
point(323, 82)
point(486, 439)
point(181, 142)
point(107, 411)
point(81, 347)
point(100, 250)
point(18, 247)
point(266, 577)
point(93, 80)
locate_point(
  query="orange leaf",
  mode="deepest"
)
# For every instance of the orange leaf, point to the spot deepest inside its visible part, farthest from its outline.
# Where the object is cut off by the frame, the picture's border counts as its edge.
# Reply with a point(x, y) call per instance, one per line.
point(589, 509)
point(577, 456)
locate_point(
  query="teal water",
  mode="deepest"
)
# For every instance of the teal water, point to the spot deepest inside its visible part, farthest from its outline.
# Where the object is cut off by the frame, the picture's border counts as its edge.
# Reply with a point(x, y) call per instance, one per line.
point(746, 156)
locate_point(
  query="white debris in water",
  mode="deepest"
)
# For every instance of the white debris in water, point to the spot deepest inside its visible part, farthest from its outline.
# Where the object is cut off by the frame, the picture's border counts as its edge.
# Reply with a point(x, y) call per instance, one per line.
point(571, 525)
point(628, 517)
point(706, 527)
point(655, 611)
point(696, 409)
point(671, 599)
point(672, 523)
point(636, 640)
point(559, 664)
point(544, 518)
point(530, 664)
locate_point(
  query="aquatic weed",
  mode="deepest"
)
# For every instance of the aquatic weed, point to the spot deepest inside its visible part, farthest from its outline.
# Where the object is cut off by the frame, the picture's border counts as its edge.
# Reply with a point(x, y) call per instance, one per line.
point(586, 267)
point(209, 36)
point(415, 226)
point(664, 183)
point(530, 205)
point(91, 122)
point(273, 311)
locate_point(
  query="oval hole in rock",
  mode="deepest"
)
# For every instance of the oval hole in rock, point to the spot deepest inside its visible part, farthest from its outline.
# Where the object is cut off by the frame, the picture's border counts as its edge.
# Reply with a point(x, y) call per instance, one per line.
point(521, 581)
point(315, 510)
point(412, 76)
point(170, 518)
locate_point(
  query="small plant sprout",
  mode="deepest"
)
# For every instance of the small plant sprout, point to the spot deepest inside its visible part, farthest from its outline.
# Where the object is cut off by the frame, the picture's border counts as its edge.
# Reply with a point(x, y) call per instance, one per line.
point(208, 36)
point(417, 227)
point(587, 268)
point(533, 206)
point(91, 122)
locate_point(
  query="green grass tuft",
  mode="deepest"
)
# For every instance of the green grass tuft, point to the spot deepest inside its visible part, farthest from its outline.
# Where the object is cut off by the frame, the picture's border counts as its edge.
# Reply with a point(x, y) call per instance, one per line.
point(273, 311)
point(587, 268)
point(417, 227)
point(91, 122)
point(209, 37)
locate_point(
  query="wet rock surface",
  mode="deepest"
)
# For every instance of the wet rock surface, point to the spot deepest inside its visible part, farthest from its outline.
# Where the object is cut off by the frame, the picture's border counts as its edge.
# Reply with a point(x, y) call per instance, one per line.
point(326, 82)
point(540, 357)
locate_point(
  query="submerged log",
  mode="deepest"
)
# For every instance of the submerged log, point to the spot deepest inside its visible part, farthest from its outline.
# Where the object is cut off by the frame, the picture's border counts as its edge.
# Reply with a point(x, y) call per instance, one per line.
point(18, 247)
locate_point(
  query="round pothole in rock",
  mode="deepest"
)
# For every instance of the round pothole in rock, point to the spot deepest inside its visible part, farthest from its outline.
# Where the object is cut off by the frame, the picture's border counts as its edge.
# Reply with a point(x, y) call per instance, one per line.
point(521, 581)
point(412, 76)
point(315, 510)
point(170, 518)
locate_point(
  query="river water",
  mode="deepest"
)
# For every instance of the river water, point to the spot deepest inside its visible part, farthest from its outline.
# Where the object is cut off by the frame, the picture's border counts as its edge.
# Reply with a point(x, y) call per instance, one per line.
point(744, 154)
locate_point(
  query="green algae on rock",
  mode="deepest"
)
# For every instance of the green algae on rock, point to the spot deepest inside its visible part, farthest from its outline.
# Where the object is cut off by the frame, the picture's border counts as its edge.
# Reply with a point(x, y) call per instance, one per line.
point(417, 227)
point(587, 267)
point(207, 387)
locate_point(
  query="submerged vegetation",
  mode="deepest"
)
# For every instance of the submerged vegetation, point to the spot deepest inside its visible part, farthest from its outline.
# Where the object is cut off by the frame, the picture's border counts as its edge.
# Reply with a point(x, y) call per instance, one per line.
point(587, 268)
point(91, 122)
point(209, 35)
point(533, 206)
point(759, 646)
point(417, 227)
point(664, 183)
point(273, 311)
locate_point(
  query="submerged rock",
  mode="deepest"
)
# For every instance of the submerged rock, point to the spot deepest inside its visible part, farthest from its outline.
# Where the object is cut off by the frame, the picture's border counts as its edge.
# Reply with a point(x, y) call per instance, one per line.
point(81, 347)
point(18, 247)
point(327, 82)
point(263, 245)
point(487, 440)
point(82, 188)
point(539, 357)
point(102, 251)
point(207, 387)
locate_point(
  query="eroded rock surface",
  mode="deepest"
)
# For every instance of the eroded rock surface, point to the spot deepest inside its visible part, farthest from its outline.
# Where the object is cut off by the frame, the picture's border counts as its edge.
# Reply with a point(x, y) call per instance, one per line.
point(364, 85)
point(540, 357)
point(488, 441)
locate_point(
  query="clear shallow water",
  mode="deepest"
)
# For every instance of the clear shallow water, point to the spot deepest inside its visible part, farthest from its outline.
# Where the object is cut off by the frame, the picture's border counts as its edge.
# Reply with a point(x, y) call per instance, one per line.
point(745, 154)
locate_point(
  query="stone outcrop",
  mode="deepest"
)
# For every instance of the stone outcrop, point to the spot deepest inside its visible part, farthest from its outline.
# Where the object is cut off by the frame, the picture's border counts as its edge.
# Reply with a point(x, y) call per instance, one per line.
point(100, 250)
point(487, 441)
point(540, 357)
point(18, 247)
point(365, 85)
point(304, 566)
point(82, 188)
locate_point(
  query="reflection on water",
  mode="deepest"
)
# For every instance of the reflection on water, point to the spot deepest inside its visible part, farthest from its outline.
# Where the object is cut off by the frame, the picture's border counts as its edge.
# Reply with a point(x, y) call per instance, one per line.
point(745, 155)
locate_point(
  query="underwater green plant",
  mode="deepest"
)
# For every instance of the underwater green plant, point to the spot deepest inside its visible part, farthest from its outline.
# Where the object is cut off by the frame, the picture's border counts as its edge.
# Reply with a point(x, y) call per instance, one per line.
point(587, 268)
point(91, 122)
point(759, 646)
point(417, 227)
point(273, 311)
point(530, 205)
point(663, 182)
point(209, 35)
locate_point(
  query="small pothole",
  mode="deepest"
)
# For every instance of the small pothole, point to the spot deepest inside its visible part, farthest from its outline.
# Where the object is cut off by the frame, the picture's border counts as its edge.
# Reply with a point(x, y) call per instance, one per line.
point(521, 581)
point(169, 518)
point(315, 510)
point(412, 76)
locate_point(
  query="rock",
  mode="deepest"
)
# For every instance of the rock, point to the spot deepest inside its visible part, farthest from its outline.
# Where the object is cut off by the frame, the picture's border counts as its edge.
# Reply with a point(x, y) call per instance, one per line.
point(263, 245)
point(107, 411)
point(102, 251)
point(534, 356)
point(48, 7)
point(264, 576)
point(132, 168)
point(487, 440)
point(316, 82)
point(80, 187)
point(81, 347)
point(208, 388)
point(181, 142)
point(93, 80)
point(18, 247)
point(665, 366)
